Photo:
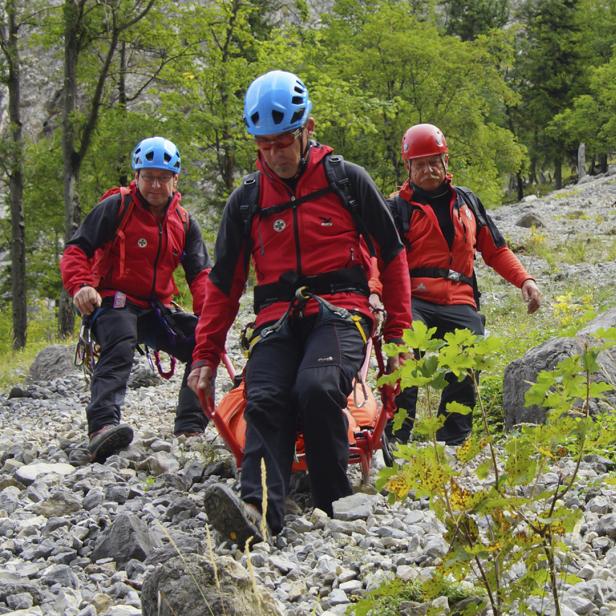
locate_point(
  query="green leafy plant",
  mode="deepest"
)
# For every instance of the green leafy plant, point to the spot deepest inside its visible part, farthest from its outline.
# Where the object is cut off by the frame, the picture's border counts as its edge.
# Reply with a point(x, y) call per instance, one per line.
point(504, 523)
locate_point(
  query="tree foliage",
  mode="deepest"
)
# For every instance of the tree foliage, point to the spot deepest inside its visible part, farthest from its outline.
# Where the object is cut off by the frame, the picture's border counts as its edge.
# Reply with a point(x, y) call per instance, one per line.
point(470, 18)
point(414, 74)
point(547, 75)
point(514, 99)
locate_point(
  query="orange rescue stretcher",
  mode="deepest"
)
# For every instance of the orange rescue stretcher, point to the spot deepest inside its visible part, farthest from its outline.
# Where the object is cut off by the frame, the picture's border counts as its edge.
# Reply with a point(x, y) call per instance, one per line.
point(367, 417)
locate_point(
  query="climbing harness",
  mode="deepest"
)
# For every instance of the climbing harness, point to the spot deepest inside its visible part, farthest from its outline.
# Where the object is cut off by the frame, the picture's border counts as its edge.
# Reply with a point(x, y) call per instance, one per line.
point(301, 297)
point(87, 350)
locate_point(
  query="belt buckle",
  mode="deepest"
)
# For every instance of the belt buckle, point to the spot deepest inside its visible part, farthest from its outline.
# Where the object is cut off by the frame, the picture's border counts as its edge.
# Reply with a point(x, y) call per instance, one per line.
point(266, 331)
point(453, 275)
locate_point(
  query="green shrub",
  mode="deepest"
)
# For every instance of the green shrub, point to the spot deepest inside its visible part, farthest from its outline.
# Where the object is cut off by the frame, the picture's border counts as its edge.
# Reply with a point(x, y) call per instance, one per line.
point(500, 515)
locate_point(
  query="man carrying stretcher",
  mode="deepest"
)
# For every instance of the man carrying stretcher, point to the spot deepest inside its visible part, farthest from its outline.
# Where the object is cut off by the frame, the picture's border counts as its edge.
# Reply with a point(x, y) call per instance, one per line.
point(315, 224)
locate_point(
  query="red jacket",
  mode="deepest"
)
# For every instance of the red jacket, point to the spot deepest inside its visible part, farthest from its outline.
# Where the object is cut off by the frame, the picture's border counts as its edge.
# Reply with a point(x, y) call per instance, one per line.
point(137, 255)
point(313, 238)
point(428, 248)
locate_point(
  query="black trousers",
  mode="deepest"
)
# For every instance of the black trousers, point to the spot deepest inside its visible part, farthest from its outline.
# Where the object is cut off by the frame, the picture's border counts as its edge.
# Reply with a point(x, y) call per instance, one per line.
point(118, 331)
point(299, 378)
point(446, 319)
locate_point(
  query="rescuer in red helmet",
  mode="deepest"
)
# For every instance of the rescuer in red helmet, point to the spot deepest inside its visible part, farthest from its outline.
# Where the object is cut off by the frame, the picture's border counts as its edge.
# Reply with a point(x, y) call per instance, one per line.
point(443, 226)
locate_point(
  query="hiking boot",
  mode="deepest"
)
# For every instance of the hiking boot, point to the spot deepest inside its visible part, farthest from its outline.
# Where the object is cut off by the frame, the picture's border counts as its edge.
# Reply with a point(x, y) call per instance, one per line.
point(451, 440)
point(231, 517)
point(108, 441)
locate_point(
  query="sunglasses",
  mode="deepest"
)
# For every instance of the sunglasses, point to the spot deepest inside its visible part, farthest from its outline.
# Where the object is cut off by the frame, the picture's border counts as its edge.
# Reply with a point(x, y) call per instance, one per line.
point(163, 179)
point(281, 141)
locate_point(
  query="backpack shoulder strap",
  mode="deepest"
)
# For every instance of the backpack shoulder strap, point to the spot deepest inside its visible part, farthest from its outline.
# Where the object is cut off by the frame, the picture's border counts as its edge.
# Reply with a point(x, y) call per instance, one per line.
point(402, 212)
point(126, 207)
point(185, 218)
point(102, 260)
point(338, 179)
point(469, 197)
point(249, 200)
point(249, 206)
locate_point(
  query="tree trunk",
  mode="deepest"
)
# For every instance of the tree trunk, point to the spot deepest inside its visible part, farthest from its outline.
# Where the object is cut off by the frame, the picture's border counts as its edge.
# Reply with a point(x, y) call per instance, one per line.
point(532, 173)
point(558, 172)
point(16, 182)
point(603, 166)
point(520, 185)
point(72, 213)
point(122, 103)
point(75, 146)
point(581, 161)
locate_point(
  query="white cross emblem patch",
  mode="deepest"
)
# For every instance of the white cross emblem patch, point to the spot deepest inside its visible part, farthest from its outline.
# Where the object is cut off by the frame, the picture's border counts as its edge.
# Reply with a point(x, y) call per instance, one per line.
point(142, 242)
point(279, 225)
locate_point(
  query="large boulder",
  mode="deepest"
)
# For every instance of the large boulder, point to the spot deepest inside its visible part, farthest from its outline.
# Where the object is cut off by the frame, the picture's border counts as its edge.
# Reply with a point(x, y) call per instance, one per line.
point(192, 585)
point(53, 362)
point(520, 373)
point(58, 360)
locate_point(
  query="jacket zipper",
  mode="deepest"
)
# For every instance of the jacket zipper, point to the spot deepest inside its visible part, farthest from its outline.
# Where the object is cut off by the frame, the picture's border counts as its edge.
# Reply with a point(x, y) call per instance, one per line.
point(160, 241)
point(298, 254)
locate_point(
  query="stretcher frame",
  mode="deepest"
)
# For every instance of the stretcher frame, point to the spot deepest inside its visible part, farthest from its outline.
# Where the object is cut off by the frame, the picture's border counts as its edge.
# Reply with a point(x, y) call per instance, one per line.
point(364, 439)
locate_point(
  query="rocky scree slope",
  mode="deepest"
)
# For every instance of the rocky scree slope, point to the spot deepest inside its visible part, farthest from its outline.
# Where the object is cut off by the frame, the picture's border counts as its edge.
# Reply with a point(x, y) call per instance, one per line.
point(83, 539)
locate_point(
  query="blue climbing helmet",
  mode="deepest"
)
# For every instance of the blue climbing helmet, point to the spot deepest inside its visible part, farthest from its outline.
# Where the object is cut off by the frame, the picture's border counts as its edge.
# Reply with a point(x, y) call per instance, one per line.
point(276, 102)
point(156, 153)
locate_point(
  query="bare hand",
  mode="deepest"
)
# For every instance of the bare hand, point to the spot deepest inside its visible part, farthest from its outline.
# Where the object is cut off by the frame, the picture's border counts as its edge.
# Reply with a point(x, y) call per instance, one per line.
point(201, 380)
point(87, 300)
point(378, 311)
point(531, 295)
point(393, 363)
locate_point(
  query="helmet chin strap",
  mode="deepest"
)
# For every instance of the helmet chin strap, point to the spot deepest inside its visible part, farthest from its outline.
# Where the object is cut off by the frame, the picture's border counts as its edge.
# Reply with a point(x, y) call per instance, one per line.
point(303, 161)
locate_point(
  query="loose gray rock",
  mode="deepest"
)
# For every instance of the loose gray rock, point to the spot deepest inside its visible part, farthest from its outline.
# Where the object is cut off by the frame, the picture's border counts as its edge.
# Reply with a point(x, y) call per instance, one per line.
point(28, 473)
point(60, 574)
point(59, 503)
point(529, 220)
point(129, 537)
point(607, 525)
point(355, 507)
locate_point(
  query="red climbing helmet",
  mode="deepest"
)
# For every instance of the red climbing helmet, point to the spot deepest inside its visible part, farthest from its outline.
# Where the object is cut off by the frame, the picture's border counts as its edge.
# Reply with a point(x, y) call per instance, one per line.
point(423, 140)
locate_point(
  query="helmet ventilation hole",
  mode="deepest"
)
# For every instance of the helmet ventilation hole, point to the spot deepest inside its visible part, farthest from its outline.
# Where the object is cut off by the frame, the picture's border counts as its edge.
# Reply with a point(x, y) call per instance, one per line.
point(298, 115)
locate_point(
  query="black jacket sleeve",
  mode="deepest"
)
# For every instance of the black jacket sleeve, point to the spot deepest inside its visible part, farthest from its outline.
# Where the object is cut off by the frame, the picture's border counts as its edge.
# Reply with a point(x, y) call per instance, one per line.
point(195, 258)
point(98, 227)
point(374, 212)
